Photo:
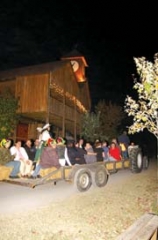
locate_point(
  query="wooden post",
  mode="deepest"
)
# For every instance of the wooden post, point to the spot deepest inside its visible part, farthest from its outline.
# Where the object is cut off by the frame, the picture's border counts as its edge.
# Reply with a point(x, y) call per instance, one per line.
point(63, 117)
point(48, 99)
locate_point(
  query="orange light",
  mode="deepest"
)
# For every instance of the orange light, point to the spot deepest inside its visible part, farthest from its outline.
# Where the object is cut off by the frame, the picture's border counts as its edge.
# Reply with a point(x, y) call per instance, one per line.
point(80, 77)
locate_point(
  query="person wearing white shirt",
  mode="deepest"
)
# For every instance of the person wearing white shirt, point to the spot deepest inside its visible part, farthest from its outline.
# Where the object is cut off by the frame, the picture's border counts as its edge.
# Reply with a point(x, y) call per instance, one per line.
point(21, 155)
point(44, 136)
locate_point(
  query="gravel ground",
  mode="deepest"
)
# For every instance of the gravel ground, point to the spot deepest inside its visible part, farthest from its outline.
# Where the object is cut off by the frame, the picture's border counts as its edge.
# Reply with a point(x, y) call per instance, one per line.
point(98, 214)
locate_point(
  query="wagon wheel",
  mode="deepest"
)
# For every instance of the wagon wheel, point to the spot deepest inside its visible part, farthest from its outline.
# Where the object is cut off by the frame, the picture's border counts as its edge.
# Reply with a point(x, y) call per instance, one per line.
point(136, 160)
point(100, 177)
point(83, 180)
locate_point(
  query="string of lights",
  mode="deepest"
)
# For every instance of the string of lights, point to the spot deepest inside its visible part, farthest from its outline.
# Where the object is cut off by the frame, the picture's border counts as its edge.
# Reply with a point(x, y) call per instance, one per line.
point(68, 95)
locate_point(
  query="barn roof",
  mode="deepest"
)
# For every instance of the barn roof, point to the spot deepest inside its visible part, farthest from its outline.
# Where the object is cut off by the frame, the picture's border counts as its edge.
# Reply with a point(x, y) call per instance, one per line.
point(74, 54)
point(29, 70)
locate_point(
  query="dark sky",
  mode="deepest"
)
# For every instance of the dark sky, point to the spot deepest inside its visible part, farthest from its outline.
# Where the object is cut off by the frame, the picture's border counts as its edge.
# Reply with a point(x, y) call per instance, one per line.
point(108, 34)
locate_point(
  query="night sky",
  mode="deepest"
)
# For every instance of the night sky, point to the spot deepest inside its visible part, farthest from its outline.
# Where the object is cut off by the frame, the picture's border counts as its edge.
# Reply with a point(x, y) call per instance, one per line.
point(109, 35)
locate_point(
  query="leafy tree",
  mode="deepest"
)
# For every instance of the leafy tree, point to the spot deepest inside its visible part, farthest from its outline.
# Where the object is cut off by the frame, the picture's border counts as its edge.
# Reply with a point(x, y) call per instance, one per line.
point(111, 116)
point(8, 119)
point(90, 126)
point(103, 123)
point(144, 110)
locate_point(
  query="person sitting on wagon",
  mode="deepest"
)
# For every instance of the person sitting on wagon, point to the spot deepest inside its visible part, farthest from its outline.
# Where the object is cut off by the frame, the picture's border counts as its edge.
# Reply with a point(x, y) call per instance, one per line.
point(61, 150)
point(124, 139)
point(31, 151)
point(105, 147)
point(98, 150)
point(90, 156)
point(114, 153)
point(49, 158)
point(124, 151)
point(81, 153)
point(72, 154)
point(21, 155)
point(81, 143)
point(9, 162)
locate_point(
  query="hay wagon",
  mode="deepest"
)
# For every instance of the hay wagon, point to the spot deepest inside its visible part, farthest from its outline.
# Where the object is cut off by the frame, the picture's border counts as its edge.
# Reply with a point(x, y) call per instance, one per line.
point(85, 175)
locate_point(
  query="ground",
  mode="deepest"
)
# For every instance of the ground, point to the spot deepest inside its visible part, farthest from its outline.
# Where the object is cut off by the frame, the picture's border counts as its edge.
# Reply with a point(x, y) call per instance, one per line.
point(98, 214)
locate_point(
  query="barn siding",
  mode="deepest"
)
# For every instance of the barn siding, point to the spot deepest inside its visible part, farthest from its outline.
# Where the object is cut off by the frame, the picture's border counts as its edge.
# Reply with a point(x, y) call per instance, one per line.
point(32, 93)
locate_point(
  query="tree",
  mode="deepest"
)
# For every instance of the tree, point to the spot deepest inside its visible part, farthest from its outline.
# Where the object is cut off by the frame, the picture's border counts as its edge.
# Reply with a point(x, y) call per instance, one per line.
point(103, 123)
point(90, 126)
point(144, 110)
point(111, 116)
point(8, 119)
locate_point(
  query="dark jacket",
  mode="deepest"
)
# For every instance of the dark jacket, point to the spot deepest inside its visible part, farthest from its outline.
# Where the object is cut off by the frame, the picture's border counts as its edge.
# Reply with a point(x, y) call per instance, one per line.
point(31, 151)
point(76, 155)
point(49, 158)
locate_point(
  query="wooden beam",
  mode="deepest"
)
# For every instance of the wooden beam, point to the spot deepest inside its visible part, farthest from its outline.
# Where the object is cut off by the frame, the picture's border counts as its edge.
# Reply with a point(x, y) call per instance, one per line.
point(48, 98)
point(63, 118)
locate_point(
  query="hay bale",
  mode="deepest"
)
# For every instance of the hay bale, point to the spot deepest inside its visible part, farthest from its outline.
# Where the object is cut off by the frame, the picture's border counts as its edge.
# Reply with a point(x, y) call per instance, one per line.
point(4, 172)
point(44, 172)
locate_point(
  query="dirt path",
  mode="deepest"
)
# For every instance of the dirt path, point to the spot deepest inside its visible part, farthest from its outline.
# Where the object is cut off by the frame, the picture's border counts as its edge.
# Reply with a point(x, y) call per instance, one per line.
point(17, 199)
point(99, 214)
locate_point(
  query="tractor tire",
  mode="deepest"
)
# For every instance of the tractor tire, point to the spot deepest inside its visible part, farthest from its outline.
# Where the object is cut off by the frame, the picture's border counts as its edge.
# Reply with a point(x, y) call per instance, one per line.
point(82, 180)
point(100, 177)
point(136, 160)
point(145, 162)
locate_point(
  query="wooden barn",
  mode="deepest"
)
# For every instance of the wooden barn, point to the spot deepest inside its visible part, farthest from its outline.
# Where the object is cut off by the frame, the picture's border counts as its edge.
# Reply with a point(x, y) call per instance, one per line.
point(55, 92)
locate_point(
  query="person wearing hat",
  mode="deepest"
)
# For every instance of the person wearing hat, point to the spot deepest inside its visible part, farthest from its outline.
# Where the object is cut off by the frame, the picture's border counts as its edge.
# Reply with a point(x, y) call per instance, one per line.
point(5, 143)
point(44, 136)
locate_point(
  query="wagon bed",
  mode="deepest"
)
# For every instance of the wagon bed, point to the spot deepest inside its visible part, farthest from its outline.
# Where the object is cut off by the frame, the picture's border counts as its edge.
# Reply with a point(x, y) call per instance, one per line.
point(84, 175)
point(68, 173)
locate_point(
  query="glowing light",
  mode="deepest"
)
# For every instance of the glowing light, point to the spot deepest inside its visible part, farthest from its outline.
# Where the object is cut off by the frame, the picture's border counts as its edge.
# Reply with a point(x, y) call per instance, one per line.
point(69, 96)
point(80, 77)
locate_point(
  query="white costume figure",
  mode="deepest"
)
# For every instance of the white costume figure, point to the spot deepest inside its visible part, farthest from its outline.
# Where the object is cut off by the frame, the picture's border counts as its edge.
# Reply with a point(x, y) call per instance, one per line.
point(43, 138)
point(45, 135)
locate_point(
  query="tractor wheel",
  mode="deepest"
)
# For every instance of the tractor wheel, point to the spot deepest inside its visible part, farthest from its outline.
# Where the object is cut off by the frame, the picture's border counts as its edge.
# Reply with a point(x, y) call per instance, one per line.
point(82, 180)
point(136, 160)
point(145, 162)
point(100, 177)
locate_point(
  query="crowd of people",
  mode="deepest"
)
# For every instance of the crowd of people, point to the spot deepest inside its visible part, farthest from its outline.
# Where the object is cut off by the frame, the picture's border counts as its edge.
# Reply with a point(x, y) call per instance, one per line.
point(45, 152)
